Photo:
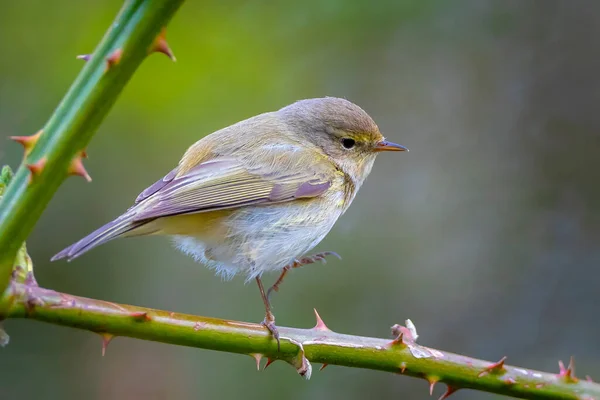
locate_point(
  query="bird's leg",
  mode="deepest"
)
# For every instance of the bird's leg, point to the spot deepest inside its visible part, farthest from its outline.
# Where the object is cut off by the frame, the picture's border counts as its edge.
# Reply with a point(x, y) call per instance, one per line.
point(269, 321)
point(298, 263)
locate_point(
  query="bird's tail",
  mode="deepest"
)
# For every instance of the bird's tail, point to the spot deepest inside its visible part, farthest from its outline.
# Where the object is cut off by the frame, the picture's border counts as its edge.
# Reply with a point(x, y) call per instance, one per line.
point(112, 230)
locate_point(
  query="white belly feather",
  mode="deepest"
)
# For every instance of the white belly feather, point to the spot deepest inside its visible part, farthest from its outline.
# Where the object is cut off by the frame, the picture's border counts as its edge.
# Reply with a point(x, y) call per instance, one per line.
point(266, 238)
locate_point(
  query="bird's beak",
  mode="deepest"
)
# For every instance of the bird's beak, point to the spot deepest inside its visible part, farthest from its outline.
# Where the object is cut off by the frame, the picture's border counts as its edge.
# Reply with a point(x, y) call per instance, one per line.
point(384, 145)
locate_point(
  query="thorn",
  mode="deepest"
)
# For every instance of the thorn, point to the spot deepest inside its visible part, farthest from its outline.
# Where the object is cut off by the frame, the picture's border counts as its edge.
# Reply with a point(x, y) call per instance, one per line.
point(320, 326)
point(140, 316)
point(160, 45)
point(402, 335)
point(323, 367)
point(449, 392)
point(495, 368)
point(77, 168)
point(258, 357)
point(28, 142)
point(114, 58)
point(432, 381)
point(399, 340)
point(402, 367)
point(37, 167)
point(269, 362)
point(510, 381)
point(84, 57)
point(568, 373)
point(106, 338)
point(589, 378)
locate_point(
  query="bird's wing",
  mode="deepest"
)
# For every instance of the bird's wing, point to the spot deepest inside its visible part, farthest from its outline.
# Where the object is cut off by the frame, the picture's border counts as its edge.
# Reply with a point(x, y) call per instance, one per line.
point(223, 183)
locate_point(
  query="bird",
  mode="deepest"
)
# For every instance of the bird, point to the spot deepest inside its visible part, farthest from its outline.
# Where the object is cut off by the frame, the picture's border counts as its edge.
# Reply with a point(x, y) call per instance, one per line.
point(257, 196)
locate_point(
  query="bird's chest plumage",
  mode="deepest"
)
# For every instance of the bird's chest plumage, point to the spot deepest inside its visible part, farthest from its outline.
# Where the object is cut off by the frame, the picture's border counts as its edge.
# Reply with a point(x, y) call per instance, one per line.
point(259, 239)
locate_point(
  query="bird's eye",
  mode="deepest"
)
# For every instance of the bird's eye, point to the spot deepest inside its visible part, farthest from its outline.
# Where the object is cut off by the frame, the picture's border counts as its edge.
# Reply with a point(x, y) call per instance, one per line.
point(348, 143)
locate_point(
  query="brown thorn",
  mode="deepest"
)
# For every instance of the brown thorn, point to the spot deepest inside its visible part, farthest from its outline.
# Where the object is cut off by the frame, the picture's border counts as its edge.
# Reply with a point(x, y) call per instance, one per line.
point(84, 57)
point(269, 362)
point(77, 168)
point(28, 142)
point(323, 366)
point(320, 326)
point(140, 316)
point(160, 45)
point(37, 167)
point(106, 338)
point(402, 335)
point(258, 357)
point(399, 341)
point(449, 392)
point(495, 368)
point(568, 373)
point(402, 367)
point(432, 381)
point(114, 58)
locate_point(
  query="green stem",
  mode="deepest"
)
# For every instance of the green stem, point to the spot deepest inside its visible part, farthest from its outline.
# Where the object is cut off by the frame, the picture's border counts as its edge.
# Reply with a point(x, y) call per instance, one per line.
point(320, 344)
point(76, 119)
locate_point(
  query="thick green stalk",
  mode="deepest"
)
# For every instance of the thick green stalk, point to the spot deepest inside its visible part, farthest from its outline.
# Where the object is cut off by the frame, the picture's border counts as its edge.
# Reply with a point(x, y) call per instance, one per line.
point(319, 344)
point(70, 128)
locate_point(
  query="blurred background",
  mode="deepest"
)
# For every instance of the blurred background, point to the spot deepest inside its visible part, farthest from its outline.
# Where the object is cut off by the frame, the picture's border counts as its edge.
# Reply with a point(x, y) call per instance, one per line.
point(485, 234)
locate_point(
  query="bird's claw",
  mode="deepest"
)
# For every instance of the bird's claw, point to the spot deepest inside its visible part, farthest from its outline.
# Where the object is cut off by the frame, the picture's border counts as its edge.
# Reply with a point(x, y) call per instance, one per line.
point(314, 258)
point(269, 323)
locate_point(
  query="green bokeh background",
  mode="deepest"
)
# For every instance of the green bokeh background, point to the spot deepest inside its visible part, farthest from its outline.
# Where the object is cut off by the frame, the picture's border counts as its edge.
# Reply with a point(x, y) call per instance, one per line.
point(485, 235)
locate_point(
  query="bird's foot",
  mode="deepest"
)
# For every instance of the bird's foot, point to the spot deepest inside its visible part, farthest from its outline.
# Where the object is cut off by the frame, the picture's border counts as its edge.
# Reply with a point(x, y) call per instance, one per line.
point(269, 323)
point(298, 263)
point(314, 258)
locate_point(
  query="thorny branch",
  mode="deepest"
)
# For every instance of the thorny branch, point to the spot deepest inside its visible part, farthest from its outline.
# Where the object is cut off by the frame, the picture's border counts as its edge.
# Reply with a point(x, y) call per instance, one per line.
point(299, 347)
point(56, 152)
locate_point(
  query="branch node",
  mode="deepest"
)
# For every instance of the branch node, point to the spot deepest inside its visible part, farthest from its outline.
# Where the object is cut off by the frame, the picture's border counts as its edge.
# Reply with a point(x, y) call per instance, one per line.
point(404, 334)
point(300, 362)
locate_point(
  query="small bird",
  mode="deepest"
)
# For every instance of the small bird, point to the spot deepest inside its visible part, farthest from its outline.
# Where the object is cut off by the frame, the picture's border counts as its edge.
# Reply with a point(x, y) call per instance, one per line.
point(258, 195)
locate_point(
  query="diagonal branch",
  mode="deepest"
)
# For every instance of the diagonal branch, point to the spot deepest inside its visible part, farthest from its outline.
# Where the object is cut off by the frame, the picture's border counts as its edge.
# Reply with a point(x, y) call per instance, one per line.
point(55, 152)
point(299, 347)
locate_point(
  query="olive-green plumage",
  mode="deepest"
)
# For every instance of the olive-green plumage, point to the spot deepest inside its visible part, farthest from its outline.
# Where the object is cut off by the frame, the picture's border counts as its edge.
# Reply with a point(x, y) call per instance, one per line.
point(255, 196)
